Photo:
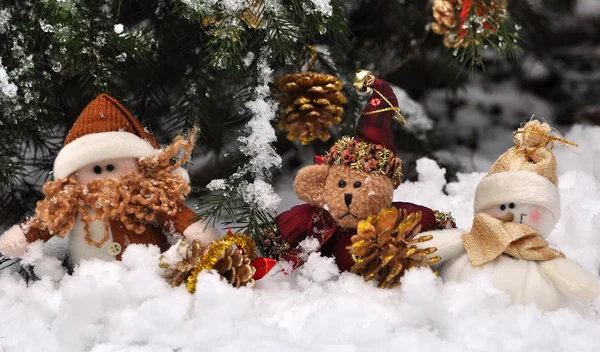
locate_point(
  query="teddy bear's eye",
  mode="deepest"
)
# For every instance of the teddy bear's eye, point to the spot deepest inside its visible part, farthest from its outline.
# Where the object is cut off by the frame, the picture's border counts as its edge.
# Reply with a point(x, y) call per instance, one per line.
point(357, 184)
point(342, 184)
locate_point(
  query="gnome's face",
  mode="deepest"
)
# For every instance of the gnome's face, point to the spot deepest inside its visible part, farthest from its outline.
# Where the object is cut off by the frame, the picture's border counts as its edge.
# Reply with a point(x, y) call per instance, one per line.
point(347, 194)
point(534, 216)
point(107, 168)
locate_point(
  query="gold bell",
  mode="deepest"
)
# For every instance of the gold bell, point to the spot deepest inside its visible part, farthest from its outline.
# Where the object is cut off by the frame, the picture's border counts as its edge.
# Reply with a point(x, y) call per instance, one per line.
point(363, 80)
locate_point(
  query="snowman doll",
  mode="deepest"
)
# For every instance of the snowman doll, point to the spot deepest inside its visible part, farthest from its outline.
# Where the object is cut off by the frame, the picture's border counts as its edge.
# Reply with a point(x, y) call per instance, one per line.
point(114, 186)
point(517, 205)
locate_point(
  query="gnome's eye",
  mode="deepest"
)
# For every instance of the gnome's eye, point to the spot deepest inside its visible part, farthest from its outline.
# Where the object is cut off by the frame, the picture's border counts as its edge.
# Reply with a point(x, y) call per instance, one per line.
point(357, 184)
point(97, 169)
point(342, 184)
point(511, 205)
point(110, 167)
point(502, 207)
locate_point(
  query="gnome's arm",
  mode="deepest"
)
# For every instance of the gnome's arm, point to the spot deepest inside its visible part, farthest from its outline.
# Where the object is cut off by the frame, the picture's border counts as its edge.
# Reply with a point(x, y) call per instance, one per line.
point(571, 279)
point(13, 242)
point(183, 222)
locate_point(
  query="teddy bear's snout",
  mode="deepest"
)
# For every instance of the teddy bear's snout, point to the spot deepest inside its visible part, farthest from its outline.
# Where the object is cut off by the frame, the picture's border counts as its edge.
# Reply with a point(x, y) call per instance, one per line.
point(348, 198)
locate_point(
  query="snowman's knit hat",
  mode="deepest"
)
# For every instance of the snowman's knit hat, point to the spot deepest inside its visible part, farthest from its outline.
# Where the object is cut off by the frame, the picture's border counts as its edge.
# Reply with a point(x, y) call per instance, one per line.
point(526, 173)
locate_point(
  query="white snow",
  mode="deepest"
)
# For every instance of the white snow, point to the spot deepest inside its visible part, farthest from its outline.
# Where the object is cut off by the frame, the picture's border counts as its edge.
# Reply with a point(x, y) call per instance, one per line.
point(118, 28)
point(323, 7)
point(127, 306)
point(257, 143)
point(587, 8)
point(7, 88)
point(4, 20)
point(414, 114)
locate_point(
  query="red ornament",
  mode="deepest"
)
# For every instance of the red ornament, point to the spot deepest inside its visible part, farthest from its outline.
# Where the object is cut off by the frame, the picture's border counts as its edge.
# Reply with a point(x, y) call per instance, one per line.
point(375, 102)
point(263, 266)
point(319, 160)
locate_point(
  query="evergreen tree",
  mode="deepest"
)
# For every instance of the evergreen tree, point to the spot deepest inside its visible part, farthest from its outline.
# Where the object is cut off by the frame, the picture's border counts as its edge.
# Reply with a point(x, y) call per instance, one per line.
point(175, 63)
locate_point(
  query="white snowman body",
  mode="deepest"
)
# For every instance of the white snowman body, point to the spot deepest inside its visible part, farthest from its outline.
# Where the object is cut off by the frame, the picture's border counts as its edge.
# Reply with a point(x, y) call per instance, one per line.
point(524, 281)
point(547, 284)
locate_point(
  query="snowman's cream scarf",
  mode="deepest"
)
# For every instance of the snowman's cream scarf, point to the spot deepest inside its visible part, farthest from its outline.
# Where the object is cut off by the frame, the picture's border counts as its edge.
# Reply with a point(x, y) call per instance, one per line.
point(490, 237)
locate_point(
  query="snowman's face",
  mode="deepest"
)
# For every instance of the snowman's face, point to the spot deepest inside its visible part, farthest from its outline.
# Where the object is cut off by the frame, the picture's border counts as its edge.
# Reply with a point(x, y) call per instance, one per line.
point(106, 168)
point(534, 216)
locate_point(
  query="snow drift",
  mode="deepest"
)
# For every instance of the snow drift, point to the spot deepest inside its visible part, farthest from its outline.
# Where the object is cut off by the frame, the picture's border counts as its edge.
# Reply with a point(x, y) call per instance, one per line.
point(127, 306)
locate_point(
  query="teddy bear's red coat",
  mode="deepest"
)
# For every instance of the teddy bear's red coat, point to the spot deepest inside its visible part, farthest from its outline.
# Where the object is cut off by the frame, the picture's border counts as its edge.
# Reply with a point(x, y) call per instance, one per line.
point(304, 221)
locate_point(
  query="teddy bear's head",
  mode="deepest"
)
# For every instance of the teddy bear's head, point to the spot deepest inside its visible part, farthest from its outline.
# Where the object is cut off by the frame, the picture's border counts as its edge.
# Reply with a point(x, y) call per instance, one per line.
point(349, 195)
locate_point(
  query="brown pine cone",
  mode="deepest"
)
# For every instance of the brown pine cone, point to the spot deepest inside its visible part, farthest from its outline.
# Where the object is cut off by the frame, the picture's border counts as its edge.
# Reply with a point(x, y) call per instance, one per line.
point(312, 104)
point(235, 267)
point(446, 14)
point(232, 265)
point(385, 247)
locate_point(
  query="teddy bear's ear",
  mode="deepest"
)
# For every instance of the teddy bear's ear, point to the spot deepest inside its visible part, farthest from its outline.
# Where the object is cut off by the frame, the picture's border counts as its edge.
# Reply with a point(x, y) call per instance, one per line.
point(310, 183)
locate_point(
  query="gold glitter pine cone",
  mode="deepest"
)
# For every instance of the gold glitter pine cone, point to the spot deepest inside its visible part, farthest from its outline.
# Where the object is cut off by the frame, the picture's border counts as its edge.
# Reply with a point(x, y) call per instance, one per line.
point(385, 247)
point(312, 104)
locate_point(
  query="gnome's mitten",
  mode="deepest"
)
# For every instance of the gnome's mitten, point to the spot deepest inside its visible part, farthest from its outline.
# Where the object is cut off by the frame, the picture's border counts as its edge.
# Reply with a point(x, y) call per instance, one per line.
point(13, 242)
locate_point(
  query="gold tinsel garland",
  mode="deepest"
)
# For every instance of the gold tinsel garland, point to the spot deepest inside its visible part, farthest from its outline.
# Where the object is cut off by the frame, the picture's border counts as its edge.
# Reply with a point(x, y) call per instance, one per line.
point(196, 260)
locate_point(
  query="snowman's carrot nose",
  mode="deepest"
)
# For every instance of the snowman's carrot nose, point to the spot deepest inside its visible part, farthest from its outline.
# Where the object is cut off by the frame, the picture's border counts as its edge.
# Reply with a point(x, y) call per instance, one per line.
point(508, 217)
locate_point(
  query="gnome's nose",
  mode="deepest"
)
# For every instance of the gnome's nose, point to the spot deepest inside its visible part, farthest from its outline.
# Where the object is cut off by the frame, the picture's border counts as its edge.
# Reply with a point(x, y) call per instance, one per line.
point(508, 217)
point(348, 198)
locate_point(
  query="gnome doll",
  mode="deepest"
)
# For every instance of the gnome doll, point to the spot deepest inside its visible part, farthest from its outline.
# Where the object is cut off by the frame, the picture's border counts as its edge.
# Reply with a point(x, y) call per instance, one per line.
point(113, 186)
point(354, 180)
point(517, 205)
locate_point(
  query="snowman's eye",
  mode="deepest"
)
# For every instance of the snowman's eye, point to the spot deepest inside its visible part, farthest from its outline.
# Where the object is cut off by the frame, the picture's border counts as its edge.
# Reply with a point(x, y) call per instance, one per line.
point(502, 207)
point(511, 205)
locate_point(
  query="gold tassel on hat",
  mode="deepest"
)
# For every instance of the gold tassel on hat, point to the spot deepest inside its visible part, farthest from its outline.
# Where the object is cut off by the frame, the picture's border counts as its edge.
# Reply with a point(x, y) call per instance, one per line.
point(531, 152)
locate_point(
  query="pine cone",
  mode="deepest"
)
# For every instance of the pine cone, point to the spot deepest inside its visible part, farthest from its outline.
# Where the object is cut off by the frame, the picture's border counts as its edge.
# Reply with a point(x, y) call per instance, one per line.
point(385, 246)
point(178, 273)
point(446, 14)
point(235, 267)
point(312, 104)
point(232, 265)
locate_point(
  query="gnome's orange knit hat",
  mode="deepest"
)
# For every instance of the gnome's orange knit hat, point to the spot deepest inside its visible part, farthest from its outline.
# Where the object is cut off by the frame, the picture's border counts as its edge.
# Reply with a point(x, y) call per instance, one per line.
point(104, 130)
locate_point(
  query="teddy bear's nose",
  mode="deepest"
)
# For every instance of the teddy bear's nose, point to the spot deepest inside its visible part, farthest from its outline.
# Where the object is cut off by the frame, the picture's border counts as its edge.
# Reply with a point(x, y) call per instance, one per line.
point(348, 198)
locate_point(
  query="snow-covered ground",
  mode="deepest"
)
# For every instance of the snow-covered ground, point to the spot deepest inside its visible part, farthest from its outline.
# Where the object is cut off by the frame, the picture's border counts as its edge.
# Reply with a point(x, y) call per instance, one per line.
point(126, 306)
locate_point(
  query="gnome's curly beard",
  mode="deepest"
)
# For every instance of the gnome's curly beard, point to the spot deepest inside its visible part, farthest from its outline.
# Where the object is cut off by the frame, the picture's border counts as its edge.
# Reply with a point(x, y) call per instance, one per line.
point(134, 199)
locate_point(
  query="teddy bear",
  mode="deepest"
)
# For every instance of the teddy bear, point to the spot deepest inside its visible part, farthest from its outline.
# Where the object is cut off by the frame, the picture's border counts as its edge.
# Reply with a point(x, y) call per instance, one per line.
point(354, 180)
point(113, 186)
point(517, 205)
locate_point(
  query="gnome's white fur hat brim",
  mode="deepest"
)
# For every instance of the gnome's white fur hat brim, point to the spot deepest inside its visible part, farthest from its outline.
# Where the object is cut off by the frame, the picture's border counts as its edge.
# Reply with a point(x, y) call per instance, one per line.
point(96, 147)
point(519, 187)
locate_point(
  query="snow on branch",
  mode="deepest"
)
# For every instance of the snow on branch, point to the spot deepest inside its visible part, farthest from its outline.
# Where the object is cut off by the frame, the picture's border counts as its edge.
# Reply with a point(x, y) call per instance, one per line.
point(257, 145)
point(7, 88)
